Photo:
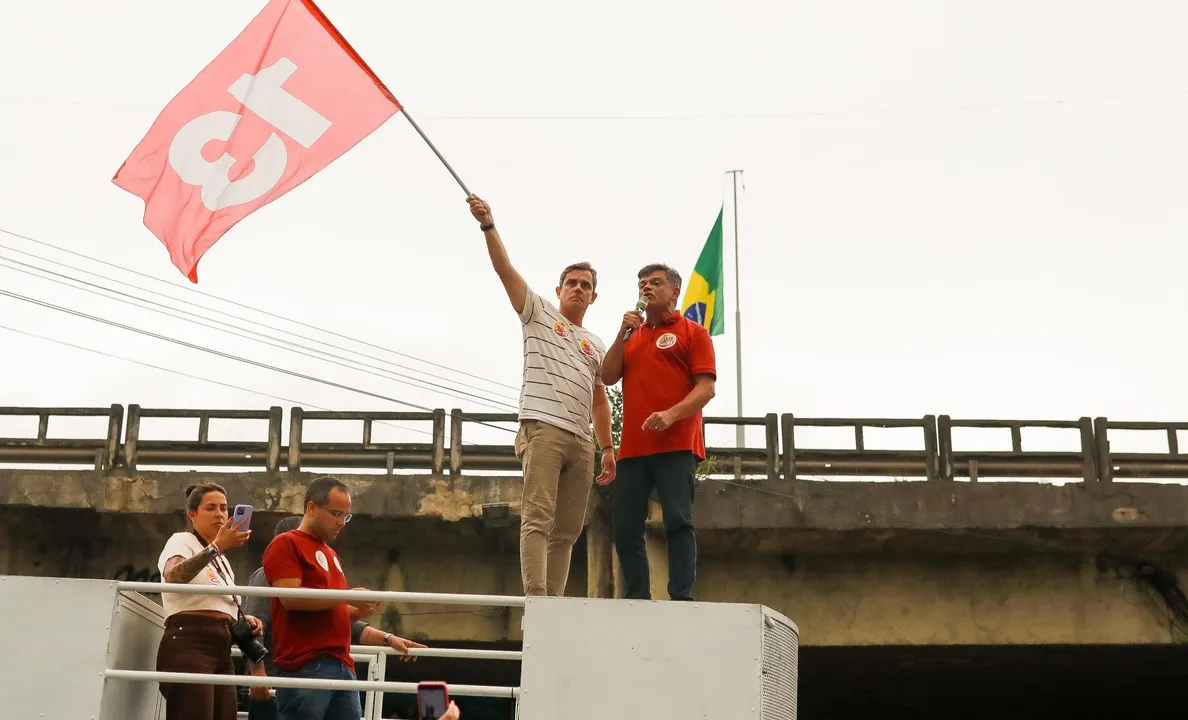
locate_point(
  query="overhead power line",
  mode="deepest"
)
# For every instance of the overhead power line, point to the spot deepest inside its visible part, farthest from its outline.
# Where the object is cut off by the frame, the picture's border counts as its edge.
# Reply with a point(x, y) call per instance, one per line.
point(301, 349)
point(254, 309)
point(919, 523)
point(1033, 543)
point(212, 381)
point(229, 356)
point(223, 313)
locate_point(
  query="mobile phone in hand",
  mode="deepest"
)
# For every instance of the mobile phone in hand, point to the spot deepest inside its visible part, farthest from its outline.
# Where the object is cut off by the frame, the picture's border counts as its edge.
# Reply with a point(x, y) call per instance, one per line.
point(433, 699)
point(241, 518)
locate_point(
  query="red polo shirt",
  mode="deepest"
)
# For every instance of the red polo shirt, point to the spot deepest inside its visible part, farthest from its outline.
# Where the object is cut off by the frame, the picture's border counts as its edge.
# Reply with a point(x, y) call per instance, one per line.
point(301, 636)
point(658, 367)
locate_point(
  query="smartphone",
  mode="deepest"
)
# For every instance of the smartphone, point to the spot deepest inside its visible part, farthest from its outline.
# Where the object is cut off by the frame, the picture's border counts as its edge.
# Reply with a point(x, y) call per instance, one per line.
point(432, 700)
point(241, 518)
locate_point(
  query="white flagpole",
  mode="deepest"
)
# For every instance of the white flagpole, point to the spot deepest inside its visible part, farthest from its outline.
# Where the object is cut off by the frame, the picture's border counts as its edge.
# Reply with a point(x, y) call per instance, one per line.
point(434, 149)
point(740, 437)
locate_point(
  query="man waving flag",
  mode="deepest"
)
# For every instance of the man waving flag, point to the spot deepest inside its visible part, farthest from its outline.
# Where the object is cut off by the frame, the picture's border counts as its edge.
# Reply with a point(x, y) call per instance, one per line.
point(285, 99)
point(704, 303)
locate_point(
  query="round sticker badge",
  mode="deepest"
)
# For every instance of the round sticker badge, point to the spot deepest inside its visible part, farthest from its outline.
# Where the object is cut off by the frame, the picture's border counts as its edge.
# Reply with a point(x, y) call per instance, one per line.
point(666, 341)
point(321, 558)
point(561, 329)
point(338, 565)
point(587, 347)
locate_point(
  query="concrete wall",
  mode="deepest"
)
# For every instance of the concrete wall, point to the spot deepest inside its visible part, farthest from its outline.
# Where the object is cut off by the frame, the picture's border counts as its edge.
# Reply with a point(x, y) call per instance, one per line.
point(391, 555)
point(986, 600)
point(837, 598)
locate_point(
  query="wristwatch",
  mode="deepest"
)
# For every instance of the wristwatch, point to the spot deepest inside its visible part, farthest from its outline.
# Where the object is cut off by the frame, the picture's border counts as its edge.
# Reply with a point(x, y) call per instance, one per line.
point(486, 228)
point(387, 637)
point(212, 550)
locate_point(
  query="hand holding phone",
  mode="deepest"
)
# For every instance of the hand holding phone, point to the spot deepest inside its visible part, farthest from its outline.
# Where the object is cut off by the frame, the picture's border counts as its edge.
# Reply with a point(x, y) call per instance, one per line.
point(241, 518)
point(433, 702)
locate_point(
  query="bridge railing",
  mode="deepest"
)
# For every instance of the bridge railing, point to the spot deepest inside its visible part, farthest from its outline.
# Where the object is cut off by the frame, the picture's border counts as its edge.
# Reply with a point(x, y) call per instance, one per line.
point(1132, 465)
point(103, 452)
point(860, 461)
point(498, 456)
point(366, 454)
point(725, 460)
point(204, 451)
point(745, 461)
point(935, 457)
point(1017, 462)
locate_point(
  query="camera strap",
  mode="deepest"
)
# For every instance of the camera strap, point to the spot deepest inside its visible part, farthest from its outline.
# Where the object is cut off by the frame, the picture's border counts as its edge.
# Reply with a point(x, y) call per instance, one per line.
point(218, 568)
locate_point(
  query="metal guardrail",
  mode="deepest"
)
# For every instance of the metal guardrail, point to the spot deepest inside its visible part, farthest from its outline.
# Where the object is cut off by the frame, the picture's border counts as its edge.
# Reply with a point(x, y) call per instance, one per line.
point(1017, 462)
point(232, 453)
point(367, 454)
point(746, 461)
point(1171, 464)
point(480, 457)
point(936, 458)
point(860, 461)
point(103, 452)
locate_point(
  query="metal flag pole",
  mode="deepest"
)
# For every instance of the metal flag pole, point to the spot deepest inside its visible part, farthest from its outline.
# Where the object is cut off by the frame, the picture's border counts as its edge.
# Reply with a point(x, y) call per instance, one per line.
point(416, 127)
point(740, 436)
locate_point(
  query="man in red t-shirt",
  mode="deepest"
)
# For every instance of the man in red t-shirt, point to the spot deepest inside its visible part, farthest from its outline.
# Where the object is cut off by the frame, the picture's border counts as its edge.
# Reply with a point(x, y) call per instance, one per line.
point(312, 638)
point(668, 372)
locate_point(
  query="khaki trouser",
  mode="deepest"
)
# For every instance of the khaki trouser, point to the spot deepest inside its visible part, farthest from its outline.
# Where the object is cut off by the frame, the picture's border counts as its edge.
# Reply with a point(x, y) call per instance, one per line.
point(558, 473)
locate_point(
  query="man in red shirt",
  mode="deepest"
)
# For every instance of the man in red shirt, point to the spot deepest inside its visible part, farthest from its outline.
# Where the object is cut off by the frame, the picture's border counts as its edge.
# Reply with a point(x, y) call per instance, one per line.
point(668, 372)
point(312, 638)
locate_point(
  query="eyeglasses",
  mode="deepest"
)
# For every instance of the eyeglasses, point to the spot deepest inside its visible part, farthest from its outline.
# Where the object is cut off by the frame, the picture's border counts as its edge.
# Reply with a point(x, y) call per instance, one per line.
point(337, 514)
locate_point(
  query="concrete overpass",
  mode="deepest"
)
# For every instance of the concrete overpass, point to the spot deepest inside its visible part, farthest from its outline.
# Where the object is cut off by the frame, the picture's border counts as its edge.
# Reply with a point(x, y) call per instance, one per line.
point(908, 591)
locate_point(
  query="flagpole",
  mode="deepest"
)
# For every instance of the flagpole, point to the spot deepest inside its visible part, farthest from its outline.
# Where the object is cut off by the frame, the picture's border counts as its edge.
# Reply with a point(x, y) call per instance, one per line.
point(740, 436)
point(416, 127)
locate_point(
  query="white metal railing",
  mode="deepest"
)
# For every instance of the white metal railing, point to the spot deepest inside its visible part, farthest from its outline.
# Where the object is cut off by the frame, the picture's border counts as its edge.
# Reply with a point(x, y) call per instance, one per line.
point(312, 594)
point(366, 653)
point(374, 656)
point(312, 683)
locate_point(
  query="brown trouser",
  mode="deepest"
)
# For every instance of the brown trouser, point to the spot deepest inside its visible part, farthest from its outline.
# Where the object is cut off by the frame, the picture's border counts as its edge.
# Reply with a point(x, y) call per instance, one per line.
point(558, 472)
point(197, 644)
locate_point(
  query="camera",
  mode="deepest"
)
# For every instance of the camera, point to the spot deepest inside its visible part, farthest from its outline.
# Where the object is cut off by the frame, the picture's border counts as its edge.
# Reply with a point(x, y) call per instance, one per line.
point(244, 638)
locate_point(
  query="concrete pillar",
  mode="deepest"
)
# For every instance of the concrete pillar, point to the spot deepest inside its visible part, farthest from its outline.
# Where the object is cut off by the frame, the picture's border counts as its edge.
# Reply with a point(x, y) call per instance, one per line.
point(600, 548)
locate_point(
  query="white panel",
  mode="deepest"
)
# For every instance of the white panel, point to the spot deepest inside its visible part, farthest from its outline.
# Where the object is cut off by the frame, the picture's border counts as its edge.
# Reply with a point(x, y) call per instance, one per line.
point(781, 663)
point(594, 659)
point(55, 631)
point(135, 635)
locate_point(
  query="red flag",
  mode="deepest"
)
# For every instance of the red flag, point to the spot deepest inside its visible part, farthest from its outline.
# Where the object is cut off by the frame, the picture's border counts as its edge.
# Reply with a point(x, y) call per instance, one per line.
point(285, 99)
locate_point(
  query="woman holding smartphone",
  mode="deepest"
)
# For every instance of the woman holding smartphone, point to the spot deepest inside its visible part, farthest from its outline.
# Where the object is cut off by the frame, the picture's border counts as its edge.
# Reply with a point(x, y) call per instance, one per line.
point(197, 637)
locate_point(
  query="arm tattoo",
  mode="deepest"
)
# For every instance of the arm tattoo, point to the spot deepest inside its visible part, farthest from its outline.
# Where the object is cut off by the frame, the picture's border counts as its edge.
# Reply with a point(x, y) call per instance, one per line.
point(183, 571)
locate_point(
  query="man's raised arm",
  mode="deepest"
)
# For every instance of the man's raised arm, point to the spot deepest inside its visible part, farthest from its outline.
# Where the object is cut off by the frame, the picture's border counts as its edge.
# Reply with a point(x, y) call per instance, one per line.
point(517, 289)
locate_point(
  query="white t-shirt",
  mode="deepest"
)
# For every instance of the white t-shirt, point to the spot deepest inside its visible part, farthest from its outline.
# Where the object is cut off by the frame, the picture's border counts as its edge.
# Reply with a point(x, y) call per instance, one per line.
point(561, 365)
point(186, 545)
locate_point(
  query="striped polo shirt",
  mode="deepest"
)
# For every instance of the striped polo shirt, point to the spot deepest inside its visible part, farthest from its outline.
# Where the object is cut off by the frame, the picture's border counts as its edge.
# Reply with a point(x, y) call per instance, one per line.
point(561, 363)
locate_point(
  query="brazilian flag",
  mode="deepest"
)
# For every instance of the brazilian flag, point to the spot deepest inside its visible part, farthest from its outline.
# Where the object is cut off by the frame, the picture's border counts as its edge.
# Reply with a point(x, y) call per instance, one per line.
point(704, 302)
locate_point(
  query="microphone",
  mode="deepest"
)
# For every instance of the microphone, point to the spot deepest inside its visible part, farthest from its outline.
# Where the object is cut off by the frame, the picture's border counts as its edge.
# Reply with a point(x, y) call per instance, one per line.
point(640, 306)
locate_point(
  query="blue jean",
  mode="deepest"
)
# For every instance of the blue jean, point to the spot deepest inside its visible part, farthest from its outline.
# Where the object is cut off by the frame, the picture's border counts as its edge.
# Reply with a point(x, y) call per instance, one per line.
point(674, 476)
point(310, 704)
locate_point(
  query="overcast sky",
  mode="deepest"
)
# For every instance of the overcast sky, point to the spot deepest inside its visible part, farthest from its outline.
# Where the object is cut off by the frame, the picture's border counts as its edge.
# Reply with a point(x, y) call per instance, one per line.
point(967, 208)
